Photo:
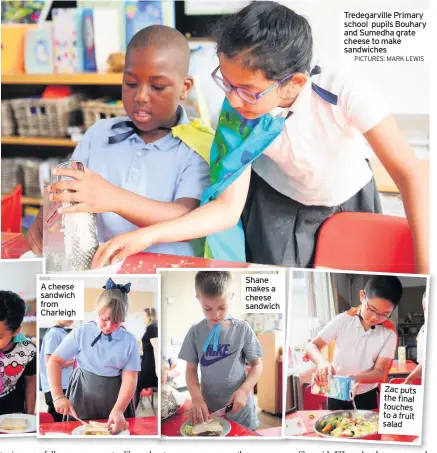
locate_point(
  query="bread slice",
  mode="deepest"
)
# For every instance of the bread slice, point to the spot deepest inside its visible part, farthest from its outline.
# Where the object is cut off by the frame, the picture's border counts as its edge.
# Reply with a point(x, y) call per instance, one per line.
point(209, 428)
point(96, 429)
point(14, 424)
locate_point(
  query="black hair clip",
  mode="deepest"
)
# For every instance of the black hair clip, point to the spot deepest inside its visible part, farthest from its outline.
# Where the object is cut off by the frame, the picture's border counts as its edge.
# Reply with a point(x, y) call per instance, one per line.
point(110, 284)
point(316, 70)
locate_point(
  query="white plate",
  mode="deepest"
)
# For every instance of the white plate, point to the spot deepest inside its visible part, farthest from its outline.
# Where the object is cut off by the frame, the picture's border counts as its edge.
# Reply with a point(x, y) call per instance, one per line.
point(31, 423)
point(56, 434)
point(225, 425)
point(79, 432)
point(112, 269)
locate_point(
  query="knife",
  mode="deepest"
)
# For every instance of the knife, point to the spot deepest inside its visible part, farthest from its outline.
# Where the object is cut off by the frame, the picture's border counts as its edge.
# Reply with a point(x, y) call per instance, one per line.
point(222, 411)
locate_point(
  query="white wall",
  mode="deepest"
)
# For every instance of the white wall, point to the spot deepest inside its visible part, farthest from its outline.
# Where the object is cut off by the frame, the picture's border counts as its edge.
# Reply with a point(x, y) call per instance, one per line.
point(20, 276)
point(405, 87)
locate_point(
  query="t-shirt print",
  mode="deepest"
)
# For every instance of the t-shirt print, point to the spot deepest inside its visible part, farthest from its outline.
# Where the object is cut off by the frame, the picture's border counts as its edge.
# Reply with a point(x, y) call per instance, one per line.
point(13, 365)
point(210, 357)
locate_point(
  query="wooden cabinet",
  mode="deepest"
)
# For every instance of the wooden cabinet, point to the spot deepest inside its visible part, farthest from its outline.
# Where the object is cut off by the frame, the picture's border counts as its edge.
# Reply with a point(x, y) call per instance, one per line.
point(270, 383)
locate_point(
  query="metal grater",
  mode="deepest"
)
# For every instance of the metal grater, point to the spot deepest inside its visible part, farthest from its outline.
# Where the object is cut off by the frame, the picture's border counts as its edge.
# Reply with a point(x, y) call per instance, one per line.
point(70, 240)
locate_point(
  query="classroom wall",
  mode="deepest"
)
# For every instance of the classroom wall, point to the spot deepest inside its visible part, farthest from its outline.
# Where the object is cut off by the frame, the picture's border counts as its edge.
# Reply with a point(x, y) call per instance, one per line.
point(138, 301)
point(325, 18)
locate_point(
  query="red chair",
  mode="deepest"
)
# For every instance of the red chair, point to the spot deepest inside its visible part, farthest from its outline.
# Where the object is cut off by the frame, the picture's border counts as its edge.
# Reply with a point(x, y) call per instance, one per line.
point(397, 380)
point(45, 417)
point(313, 402)
point(365, 242)
point(150, 394)
point(11, 211)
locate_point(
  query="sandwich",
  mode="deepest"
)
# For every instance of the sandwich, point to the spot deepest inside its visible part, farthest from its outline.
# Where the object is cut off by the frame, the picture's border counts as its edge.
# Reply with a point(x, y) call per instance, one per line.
point(13, 424)
point(210, 428)
point(96, 429)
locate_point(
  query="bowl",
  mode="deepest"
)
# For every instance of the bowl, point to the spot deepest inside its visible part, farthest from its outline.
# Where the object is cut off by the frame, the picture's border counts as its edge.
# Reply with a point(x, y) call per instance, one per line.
point(365, 414)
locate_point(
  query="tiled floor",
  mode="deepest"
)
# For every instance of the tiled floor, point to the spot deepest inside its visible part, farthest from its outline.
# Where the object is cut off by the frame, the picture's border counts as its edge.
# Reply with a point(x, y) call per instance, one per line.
point(268, 420)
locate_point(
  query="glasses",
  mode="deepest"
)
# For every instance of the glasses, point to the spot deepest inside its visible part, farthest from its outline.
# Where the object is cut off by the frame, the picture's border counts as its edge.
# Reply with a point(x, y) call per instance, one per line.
point(247, 96)
point(376, 313)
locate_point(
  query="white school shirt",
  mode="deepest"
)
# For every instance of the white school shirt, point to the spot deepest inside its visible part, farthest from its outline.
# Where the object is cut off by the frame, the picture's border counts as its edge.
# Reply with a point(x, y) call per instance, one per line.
point(356, 349)
point(319, 158)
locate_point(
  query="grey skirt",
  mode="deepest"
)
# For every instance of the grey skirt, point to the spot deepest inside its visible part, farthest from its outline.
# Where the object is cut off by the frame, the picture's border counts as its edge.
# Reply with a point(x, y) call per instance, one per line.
point(93, 397)
point(283, 232)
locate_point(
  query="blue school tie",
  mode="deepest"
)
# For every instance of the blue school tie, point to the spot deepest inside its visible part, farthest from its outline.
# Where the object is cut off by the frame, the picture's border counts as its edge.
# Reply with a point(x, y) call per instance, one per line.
point(125, 135)
point(100, 336)
point(215, 336)
point(134, 130)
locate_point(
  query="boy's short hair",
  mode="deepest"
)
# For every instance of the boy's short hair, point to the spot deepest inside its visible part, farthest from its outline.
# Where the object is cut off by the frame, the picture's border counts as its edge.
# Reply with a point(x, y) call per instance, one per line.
point(168, 39)
point(12, 309)
point(386, 287)
point(213, 283)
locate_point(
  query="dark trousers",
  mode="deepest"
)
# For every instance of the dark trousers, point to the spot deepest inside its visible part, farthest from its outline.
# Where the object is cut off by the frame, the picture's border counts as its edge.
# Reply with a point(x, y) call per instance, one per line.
point(364, 401)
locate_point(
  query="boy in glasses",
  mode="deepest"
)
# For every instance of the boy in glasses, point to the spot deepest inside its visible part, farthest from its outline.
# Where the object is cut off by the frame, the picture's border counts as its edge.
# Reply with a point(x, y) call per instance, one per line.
point(365, 343)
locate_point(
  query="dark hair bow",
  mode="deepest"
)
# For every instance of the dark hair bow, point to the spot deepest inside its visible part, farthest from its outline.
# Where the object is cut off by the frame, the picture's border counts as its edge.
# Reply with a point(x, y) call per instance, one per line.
point(123, 288)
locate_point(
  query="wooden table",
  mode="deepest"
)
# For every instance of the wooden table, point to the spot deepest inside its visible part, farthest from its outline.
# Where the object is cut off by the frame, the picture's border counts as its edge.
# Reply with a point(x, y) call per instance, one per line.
point(309, 419)
point(172, 426)
point(139, 426)
point(14, 245)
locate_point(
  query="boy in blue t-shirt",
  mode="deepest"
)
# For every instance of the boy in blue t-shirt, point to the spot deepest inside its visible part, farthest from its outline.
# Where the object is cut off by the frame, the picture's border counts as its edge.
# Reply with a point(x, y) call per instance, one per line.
point(137, 172)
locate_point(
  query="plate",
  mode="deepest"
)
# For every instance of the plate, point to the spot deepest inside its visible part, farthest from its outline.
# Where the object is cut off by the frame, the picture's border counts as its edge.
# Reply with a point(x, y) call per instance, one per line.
point(79, 432)
point(112, 269)
point(56, 434)
point(31, 423)
point(225, 425)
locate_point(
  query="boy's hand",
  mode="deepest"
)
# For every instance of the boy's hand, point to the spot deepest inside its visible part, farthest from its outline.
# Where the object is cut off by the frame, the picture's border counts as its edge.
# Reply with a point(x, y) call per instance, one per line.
point(34, 235)
point(120, 247)
point(240, 400)
point(322, 373)
point(199, 412)
point(87, 189)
